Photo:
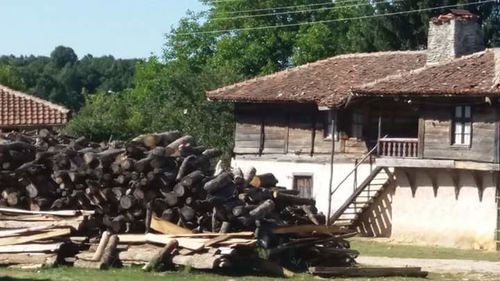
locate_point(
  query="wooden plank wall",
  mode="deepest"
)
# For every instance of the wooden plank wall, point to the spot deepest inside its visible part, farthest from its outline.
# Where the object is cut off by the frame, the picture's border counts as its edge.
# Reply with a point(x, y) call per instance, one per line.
point(294, 129)
point(438, 134)
point(247, 137)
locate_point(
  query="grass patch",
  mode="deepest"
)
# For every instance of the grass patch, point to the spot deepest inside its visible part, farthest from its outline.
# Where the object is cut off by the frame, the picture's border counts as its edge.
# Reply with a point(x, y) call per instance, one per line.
point(136, 274)
point(371, 247)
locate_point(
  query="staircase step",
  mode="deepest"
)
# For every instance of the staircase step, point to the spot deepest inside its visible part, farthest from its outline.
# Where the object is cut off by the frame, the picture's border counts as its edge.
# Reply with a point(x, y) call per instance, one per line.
point(363, 202)
point(349, 216)
point(359, 204)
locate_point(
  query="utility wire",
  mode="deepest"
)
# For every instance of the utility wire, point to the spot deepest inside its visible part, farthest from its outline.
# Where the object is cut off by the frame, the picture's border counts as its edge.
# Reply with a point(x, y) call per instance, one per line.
point(333, 20)
point(289, 7)
point(225, 1)
point(308, 10)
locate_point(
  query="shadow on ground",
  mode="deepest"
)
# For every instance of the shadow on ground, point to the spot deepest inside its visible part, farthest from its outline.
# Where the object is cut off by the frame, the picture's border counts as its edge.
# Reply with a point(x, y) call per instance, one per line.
point(8, 278)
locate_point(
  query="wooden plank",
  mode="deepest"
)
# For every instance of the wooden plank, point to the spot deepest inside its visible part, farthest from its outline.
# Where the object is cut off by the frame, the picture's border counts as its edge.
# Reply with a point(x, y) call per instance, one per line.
point(368, 271)
point(31, 248)
point(16, 232)
point(198, 261)
point(67, 213)
point(43, 260)
point(34, 237)
point(194, 243)
point(308, 229)
point(132, 238)
point(30, 218)
point(246, 234)
point(167, 227)
point(12, 224)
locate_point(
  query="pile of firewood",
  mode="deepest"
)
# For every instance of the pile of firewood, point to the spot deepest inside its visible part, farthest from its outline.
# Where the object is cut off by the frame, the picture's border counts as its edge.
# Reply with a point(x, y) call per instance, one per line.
point(157, 183)
point(165, 174)
point(34, 239)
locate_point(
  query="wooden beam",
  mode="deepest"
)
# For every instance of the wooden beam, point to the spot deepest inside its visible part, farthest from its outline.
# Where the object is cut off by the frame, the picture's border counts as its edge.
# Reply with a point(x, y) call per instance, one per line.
point(309, 229)
point(471, 165)
point(432, 174)
point(414, 163)
point(368, 271)
point(287, 133)
point(411, 181)
point(421, 137)
point(478, 179)
point(313, 134)
point(455, 177)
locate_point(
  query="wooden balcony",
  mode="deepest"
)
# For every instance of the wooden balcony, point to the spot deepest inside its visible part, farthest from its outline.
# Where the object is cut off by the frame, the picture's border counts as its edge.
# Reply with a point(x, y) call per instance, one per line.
point(398, 147)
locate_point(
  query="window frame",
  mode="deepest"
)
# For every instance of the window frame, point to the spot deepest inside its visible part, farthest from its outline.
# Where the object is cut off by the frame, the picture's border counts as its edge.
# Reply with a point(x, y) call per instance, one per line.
point(463, 120)
point(303, 175)
point(331, 115)
point(357, 124)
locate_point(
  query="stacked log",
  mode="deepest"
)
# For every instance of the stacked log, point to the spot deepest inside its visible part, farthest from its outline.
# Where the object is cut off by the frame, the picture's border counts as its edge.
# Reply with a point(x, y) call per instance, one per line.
point(163, 183)
point(165, 174)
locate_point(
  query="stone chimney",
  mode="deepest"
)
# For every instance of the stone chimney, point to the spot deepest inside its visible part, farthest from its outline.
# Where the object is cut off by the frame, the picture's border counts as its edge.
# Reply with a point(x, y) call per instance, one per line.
point(453, 35)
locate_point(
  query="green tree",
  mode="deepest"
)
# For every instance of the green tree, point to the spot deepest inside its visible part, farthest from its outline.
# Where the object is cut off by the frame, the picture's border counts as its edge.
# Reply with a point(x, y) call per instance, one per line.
point(62, 78)
point(236, 40)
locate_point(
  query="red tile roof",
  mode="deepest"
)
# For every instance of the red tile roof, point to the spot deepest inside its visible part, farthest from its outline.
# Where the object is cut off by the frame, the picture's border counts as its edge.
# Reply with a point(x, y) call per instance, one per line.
point(476, 74)
point(326, 82)
point(19, 109)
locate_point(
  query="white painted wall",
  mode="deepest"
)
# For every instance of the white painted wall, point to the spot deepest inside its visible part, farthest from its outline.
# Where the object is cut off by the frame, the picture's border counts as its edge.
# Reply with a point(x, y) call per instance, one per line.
point(444, 220)
point(284, 172)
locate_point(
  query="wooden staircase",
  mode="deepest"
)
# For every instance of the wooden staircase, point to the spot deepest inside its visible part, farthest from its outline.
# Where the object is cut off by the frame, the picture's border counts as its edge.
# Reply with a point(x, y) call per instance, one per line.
point(362, 197)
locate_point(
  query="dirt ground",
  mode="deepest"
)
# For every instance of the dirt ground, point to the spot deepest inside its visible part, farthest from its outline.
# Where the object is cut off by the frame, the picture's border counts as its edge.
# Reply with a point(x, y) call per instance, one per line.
point(467, 269)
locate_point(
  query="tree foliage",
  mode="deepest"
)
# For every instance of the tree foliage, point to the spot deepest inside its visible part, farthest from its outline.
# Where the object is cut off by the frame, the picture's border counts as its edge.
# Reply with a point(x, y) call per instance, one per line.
point(168, 93)
point(64, 79)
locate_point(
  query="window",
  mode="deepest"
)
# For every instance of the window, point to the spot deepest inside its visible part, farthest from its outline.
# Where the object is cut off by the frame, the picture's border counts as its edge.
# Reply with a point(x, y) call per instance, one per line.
point(304, 184)
point(462, 127)
point(328, 125)
point(357, 125)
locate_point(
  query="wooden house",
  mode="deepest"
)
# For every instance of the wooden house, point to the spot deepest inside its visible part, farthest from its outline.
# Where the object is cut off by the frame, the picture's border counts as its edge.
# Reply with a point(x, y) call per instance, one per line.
point(20, 111)
point(415, 136)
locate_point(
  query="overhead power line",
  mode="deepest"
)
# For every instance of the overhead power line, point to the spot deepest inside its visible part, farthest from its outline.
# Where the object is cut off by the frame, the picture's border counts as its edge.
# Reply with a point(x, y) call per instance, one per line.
point(308, 10)
point(335, 20)
point(288, 7)
point(224, 1)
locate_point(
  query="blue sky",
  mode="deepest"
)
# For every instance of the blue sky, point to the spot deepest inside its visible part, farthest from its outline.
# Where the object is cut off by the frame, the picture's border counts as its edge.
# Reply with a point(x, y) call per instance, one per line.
point(122, 28)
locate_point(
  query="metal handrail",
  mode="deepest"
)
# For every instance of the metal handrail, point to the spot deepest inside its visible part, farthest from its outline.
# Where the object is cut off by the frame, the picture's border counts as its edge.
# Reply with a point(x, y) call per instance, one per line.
point(356, 167)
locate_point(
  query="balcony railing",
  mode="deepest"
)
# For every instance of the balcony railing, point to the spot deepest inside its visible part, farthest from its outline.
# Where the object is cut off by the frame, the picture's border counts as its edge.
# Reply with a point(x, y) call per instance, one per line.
point(399, 147)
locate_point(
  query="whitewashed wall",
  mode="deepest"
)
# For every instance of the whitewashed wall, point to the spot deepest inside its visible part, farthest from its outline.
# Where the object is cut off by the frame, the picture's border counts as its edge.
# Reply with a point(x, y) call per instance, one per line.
point(444, 220)
point(284, 172)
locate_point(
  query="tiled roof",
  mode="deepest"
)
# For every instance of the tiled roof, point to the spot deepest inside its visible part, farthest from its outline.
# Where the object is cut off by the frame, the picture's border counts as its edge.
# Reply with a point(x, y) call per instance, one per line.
point(327, 82)
point(19, 109)
point(476, 74)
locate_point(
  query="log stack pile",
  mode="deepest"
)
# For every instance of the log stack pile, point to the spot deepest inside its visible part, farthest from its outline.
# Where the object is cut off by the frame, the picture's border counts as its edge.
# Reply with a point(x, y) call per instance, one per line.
point(161, 183)
point(165, 174)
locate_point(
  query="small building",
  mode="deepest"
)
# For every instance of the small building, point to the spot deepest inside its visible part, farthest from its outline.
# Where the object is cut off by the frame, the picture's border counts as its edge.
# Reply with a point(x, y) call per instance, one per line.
point(20, 111)
point(415, 135)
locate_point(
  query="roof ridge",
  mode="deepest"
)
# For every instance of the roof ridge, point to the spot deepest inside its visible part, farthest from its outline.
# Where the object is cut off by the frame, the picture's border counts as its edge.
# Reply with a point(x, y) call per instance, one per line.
point(35, 99)
point(424, 68)
point(321, 61)
point(496, 75)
